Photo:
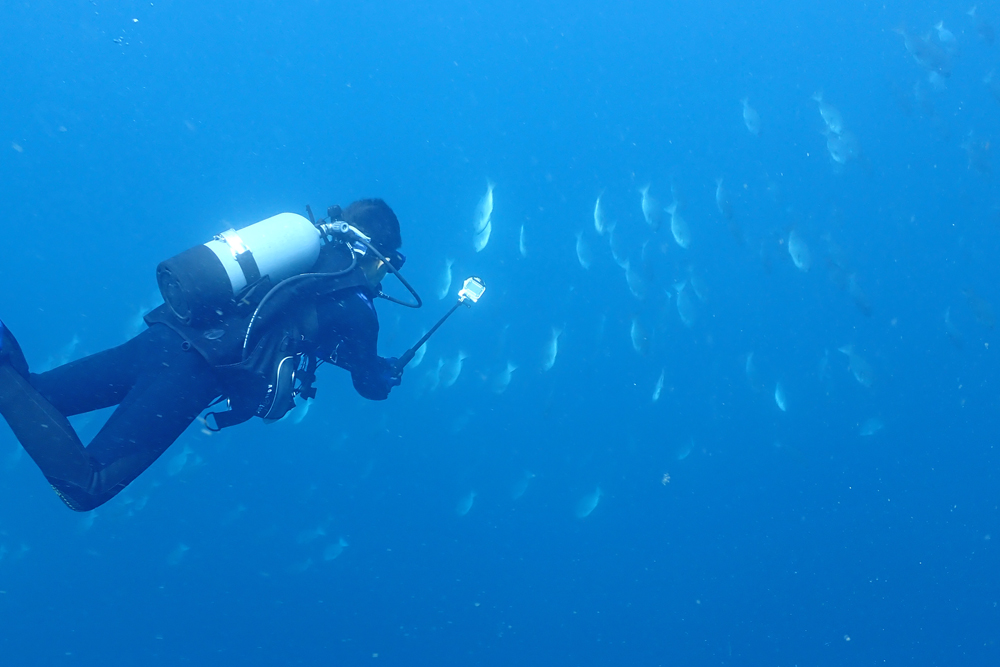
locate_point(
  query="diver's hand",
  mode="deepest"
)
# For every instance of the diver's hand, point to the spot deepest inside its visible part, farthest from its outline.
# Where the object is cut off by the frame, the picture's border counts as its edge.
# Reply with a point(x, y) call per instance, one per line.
point(393, 375)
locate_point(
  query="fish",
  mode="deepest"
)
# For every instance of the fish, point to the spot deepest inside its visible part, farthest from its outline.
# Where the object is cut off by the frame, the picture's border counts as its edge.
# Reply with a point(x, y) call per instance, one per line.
point(332, 551)
point(699, 287)
point(452, 369)
point(685, 450)
point(992, 84)
point(434, 376)
point(983, 27)
point(750, 369)
point(300, 411)
point(521, 245)
point(686, 307)
point(311, 535)
point(945, 36)
point(177, 555)
point(521, 486)
point(640, 337)
point(651, 209)
point(829, 113)
point(842, 147)
point(977, 153)
point(551, 350)
point(582, 251)
point(617, 246)
point(599, 222)
point(722, 200)
point(418, 356)
point(870, 427)
point(588, 503)
point(780, 398)
point(658, 387)
point(636, 283)
point(926, 53)
point(179, 461)
point(483, 224)
point(502, 380)
point(750, 117)
point(66, 354)
point(954, 335)
point(823, 368)
point(679, 227)
point(858, 295)
point(859, 367)
point(484, 210)
point(799, 251)
point(444, 285)
point(981, 308)
point(86, 524)
point(465, 504)
point(480, 240)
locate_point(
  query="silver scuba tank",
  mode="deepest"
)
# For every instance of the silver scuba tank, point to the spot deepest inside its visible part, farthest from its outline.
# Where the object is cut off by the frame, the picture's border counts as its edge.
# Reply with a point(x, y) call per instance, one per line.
point(198, 283)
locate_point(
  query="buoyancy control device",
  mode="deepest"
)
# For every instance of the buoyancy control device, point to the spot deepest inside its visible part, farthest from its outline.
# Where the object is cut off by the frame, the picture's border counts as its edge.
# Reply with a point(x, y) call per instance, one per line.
point(267, 263)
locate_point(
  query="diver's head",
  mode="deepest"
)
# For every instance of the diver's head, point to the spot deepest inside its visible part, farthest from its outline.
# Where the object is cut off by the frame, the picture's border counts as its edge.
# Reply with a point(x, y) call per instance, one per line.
point(376, 220)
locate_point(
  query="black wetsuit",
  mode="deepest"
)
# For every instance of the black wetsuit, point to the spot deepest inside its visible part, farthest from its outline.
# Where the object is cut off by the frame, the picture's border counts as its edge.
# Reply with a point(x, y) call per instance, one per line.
point(160, 384)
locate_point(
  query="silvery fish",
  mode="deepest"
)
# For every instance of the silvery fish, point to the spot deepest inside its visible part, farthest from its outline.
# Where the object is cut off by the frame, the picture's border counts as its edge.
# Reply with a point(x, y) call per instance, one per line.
point(861, 369)
point(640, 338)
point(599, 223)
point(658, 388)
point(484, 210)
point(651, 209)
point(465, 504)
point(799, 251)
point(617, 244)
point(582, 251)
point(551, 350)
point(522, 485)
point(480, 240)
point(452, 369)
point(685, 304)
point(831, 116)
point(750, 117)
point(588, 503)
point(636, 283)
point(871, 427)
point(679, 227)
point(503, 379)
point(418, 356)
point(334, 550)
point(780, 398)
point(444, 286)
point(722, 200)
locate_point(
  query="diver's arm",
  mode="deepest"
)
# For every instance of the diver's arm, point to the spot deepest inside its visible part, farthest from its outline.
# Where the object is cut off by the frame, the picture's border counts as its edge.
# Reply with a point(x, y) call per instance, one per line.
point(354, 326)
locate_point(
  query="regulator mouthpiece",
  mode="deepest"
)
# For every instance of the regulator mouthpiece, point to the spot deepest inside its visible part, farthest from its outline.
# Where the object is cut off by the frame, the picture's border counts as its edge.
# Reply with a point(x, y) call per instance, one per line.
point(472, 290)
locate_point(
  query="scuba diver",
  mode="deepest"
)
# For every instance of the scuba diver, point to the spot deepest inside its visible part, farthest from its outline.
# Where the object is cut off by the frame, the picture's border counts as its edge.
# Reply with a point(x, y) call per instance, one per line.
point(246, 318)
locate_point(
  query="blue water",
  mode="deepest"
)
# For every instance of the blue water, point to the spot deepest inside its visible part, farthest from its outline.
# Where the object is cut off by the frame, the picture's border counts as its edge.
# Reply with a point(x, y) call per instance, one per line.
point(726, 531)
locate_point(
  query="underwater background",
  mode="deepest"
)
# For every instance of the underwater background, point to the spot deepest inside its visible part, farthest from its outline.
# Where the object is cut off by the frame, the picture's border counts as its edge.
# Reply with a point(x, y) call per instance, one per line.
point(730, 397)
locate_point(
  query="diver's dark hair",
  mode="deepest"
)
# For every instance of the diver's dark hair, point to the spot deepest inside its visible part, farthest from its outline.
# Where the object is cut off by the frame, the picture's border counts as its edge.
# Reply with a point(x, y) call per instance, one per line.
point(376, 219)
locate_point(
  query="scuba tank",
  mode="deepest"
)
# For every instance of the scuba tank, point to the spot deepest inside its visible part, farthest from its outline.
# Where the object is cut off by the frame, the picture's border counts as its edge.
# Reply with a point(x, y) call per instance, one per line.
point(203, 280)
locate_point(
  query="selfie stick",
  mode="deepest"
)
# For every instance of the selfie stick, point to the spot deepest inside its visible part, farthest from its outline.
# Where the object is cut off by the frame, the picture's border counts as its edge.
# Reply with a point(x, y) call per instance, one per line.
point(471, 292)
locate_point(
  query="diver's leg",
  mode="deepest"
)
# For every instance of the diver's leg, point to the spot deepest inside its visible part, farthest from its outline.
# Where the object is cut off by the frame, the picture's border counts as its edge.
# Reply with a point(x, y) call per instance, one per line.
point(44, 433)
point(103, 379)
point(35, 406)
point(157, 410)
point(167, 388)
